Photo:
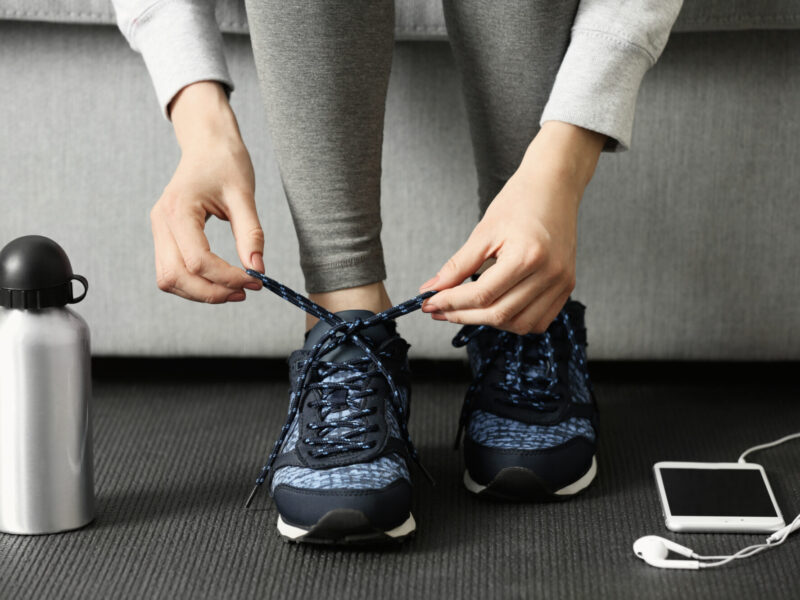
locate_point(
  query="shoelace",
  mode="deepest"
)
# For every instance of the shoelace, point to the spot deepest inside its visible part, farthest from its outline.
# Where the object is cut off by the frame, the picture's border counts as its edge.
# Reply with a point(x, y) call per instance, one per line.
point(538, 392)
point(341, 331)
point(328, 439)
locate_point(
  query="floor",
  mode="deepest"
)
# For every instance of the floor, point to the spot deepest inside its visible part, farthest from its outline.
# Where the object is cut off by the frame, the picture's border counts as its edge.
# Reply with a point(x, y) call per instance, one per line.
point(175, 460)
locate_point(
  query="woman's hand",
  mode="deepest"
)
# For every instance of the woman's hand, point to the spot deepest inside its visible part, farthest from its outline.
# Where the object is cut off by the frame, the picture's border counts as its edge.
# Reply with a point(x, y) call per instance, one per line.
point(530, 230)
point(214, 177)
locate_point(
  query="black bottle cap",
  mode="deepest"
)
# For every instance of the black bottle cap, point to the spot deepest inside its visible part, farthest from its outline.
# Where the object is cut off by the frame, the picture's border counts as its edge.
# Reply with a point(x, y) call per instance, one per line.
point(35, 272)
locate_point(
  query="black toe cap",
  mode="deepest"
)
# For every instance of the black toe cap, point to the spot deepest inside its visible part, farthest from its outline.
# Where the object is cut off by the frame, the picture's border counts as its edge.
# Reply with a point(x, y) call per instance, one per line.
point(385, 508)
point(555, 467)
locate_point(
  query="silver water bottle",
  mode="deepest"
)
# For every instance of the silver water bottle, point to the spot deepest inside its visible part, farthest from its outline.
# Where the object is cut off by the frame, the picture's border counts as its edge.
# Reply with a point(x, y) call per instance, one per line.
point(46, 474)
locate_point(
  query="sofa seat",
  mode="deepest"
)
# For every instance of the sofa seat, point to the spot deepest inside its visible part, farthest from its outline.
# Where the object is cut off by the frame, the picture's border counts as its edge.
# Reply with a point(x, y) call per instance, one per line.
point(688, 243)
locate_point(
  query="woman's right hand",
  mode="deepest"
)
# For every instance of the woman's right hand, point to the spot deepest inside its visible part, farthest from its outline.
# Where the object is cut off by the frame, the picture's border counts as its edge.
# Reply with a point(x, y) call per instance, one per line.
point(214, 177)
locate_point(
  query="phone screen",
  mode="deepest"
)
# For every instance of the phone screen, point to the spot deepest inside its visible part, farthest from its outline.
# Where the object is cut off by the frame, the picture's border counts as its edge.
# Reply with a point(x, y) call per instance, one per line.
point(717, 493)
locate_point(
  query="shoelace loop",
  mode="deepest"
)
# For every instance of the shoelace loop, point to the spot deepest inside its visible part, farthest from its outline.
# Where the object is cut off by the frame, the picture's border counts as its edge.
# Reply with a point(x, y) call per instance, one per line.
point(341, 331)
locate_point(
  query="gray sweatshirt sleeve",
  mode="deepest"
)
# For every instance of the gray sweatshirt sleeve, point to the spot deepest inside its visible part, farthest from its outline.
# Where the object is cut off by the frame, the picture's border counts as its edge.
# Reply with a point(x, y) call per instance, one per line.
point(613, 44)
point(179, 40)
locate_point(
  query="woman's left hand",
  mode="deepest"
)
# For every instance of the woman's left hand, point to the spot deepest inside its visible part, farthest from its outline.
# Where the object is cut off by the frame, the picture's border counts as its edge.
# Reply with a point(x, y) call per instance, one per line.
point(530, 230)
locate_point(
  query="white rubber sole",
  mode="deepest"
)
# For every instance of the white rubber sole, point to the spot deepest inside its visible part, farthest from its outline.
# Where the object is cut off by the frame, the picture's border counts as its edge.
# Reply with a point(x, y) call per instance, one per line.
point(295, 533)
point(568, 490)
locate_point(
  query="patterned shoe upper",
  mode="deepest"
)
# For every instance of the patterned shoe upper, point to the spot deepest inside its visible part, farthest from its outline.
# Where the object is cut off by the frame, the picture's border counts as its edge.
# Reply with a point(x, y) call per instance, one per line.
point(529, 392)
point(349, 402)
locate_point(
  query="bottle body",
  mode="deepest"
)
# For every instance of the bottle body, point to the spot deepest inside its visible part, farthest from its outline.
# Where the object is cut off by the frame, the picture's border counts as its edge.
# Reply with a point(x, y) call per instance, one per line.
point(46, 461)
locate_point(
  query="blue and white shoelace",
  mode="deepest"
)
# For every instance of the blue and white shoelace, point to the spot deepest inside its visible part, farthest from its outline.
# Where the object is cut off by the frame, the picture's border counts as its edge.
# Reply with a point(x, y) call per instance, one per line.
point(341, 331)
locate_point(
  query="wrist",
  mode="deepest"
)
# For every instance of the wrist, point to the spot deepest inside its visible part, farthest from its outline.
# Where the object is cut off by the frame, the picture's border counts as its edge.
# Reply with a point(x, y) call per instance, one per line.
point(201, 114)
point(565, 151)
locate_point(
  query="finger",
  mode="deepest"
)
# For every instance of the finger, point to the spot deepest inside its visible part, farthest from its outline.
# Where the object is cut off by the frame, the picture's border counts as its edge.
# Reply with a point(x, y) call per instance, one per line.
point(172, 276)
point(495, 281)
point(186, 228)
point(232, 296)
point(552, 312)
point(247, 230)
point(538, 317)
point(500, 313)
point(461, 265)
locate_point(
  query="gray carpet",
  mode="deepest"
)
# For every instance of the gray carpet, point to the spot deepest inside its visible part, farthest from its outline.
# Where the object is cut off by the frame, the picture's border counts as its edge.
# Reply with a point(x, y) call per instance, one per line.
point(175, 461)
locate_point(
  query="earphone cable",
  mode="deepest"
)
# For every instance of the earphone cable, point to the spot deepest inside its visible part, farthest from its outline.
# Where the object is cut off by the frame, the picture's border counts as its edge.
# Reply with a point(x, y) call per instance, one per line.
point(751, 550)
point(768, 445)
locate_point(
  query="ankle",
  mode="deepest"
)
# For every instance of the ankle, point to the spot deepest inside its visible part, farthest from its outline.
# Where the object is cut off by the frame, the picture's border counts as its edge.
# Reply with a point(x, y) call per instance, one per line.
point(372, 297)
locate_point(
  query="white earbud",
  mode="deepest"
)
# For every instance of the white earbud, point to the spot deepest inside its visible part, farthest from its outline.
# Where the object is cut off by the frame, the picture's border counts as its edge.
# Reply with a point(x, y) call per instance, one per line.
point(654, 551)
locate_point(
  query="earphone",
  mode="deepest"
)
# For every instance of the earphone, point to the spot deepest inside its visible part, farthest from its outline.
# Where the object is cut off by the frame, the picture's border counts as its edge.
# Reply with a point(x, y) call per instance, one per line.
point(654, 550)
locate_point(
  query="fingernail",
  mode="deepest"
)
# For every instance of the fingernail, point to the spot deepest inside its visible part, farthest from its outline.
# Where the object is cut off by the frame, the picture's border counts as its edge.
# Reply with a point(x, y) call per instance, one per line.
point(429, 284)
point(257, 261)
point(430, 307)
point(236, 297)
point(254, 285)
point(438, 316)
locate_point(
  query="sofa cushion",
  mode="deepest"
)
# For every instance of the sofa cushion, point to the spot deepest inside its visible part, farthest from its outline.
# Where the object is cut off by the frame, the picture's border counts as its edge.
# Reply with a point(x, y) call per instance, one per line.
point(423, 19)
point(416, 19)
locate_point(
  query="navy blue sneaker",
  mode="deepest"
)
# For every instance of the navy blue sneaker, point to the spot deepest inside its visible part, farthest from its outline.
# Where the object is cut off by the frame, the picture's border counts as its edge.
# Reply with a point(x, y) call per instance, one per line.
point(529, 419)
point(339, 470)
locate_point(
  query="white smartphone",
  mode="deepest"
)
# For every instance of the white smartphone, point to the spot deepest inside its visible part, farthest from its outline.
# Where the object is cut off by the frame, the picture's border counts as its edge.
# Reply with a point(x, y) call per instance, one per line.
point(733, 497)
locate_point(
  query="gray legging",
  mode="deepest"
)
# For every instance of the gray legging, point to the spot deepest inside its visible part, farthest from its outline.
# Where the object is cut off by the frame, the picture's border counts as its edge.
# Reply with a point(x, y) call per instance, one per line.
point(324, 70)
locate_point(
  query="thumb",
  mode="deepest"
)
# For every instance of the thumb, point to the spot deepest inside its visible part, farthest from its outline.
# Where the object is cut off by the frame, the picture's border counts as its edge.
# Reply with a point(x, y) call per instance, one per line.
point(247, 231)
point(461, 265)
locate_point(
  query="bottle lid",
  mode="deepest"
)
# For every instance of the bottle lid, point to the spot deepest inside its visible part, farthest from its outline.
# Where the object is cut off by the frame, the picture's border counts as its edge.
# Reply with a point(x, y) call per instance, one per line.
point(35, 272)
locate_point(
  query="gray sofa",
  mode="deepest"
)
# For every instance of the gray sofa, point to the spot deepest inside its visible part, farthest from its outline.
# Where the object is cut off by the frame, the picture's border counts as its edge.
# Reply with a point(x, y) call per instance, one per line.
point(688, 243)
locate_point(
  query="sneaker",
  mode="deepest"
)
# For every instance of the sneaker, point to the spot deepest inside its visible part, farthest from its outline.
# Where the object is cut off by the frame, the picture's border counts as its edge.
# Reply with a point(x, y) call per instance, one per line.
point(339, 470)
point(529, 419)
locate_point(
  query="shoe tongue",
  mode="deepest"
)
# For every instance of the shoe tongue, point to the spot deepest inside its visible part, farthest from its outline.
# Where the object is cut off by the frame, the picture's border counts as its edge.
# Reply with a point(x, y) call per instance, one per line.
point(347, 350)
